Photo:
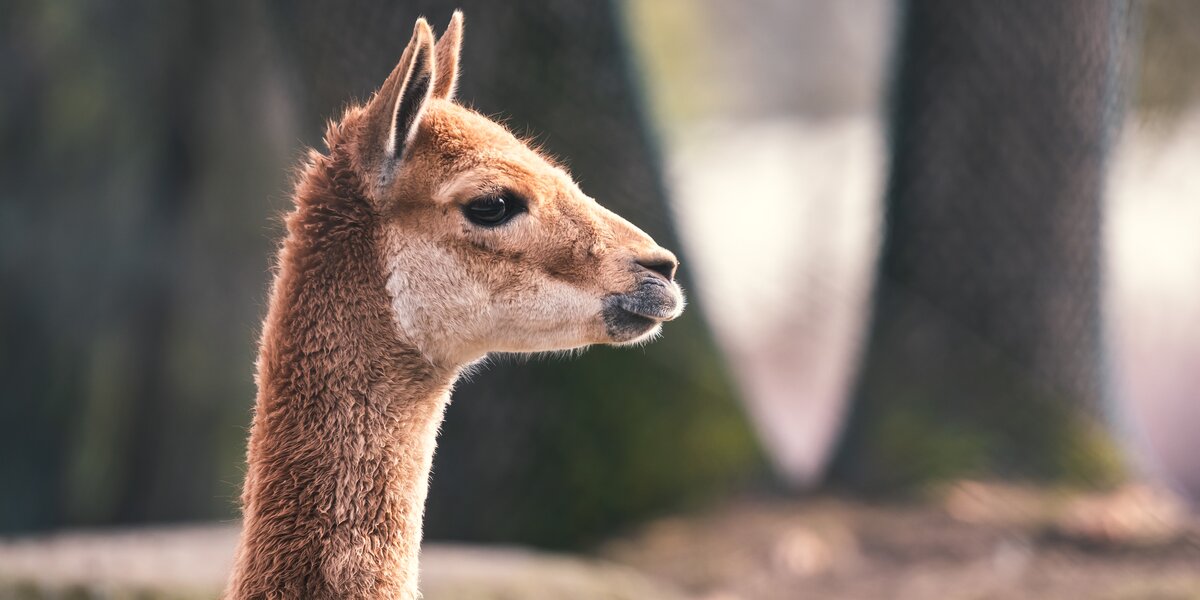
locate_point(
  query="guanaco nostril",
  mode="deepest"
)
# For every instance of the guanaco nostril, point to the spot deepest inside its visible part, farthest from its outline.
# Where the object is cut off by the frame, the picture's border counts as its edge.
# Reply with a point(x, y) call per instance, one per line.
point(663, 265)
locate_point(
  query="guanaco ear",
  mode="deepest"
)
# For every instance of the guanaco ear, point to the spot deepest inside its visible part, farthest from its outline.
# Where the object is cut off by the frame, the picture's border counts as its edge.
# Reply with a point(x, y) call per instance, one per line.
point(448, 48)
point(414, 90)
point(395, 112)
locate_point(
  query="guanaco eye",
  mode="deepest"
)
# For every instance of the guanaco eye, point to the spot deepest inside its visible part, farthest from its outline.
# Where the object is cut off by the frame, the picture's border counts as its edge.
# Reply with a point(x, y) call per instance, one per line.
point(490, 211)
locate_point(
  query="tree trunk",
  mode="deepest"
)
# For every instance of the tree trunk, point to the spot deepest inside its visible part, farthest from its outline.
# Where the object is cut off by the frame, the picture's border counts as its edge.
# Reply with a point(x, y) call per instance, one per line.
point(986, 350)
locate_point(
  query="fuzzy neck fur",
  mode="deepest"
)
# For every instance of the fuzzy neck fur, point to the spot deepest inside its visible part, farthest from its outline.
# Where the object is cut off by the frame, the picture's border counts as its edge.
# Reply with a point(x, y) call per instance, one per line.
point(346, 416)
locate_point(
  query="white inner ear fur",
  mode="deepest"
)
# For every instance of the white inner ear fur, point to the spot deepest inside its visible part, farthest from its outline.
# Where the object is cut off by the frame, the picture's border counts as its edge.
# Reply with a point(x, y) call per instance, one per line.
point(413, 70)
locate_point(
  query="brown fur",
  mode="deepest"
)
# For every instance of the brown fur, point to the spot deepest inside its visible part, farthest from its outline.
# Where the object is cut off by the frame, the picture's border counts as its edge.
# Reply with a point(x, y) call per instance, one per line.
point(384, 292)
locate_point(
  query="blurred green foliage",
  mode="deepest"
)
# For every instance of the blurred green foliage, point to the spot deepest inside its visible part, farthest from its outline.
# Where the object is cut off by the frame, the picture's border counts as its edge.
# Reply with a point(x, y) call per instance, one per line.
point(1167, 78)
point(134, 243)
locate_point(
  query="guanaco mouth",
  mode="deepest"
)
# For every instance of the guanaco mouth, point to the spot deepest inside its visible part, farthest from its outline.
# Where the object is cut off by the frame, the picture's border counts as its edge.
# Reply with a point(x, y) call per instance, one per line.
point(634, 314)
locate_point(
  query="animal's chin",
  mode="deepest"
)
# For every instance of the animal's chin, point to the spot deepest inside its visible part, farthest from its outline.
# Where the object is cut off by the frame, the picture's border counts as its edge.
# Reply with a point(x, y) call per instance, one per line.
point(638, 315)
point(625, 327)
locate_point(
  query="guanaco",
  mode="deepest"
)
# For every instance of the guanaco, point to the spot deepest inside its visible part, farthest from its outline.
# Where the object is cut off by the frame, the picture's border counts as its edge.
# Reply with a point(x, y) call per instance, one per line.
point(425, 237)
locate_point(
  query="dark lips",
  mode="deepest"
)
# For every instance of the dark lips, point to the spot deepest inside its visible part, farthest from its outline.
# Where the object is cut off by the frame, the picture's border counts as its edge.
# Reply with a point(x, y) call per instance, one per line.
point(628, 316)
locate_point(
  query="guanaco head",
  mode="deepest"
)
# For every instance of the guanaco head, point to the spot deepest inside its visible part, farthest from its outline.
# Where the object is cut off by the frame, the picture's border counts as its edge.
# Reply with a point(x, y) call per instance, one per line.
point(487, 245)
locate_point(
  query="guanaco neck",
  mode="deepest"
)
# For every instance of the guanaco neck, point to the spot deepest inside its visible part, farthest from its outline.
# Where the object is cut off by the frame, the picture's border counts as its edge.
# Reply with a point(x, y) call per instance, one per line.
point(346, 415)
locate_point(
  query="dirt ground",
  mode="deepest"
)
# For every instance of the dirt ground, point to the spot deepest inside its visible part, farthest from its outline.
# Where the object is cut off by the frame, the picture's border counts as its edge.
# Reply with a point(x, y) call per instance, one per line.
point(971, 541)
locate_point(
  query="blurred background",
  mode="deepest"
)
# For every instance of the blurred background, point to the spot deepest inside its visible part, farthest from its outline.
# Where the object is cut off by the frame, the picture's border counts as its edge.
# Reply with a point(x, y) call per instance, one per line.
point(943, 259)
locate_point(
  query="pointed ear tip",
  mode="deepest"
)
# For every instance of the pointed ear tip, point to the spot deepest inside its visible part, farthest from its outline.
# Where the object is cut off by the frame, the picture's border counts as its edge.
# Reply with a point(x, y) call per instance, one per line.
point(454, 29)
point(422, 28)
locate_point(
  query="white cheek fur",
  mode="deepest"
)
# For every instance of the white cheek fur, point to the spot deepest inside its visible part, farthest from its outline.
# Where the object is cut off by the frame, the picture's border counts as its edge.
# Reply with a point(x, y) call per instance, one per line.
point(433, 304)
point(452, 319)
